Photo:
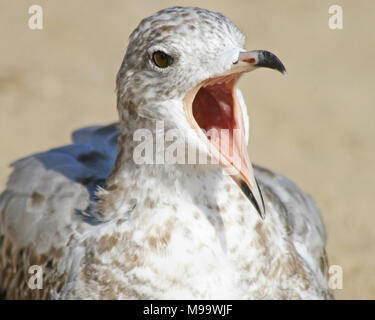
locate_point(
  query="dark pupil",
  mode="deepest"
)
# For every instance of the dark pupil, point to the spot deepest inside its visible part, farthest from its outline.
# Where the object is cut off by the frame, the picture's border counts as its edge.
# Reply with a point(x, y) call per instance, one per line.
point(162, 56)
point(161, 59)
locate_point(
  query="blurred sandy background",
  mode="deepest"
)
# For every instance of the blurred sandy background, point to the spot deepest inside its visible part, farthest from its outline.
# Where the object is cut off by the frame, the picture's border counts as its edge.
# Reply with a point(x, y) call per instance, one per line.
point(316, 126)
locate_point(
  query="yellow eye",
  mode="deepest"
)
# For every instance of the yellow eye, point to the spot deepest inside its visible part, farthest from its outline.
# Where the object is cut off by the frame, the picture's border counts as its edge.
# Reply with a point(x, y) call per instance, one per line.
point(161, 59)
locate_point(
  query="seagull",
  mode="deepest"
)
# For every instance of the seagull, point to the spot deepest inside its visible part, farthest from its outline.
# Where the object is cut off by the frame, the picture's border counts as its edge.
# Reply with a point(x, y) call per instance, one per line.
point(164, 204)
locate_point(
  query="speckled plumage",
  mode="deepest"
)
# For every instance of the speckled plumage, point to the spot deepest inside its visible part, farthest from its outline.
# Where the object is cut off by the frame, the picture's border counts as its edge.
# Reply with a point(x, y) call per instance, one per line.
point(157, 231)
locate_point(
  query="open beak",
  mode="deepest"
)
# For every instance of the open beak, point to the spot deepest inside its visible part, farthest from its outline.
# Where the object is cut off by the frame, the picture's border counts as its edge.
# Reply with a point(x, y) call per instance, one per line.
point(213, 110)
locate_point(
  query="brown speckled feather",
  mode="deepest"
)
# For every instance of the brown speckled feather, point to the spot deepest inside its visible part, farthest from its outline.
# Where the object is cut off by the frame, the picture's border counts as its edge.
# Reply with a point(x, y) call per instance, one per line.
point(45, 209)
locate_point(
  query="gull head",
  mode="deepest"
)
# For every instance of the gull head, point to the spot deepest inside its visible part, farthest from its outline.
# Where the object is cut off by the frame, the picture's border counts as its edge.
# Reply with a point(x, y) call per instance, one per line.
point(182, 66)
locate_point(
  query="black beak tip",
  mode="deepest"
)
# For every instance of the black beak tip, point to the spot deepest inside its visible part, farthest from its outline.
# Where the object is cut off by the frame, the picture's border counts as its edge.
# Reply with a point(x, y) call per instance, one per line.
point(246, 190)
point(267, 59)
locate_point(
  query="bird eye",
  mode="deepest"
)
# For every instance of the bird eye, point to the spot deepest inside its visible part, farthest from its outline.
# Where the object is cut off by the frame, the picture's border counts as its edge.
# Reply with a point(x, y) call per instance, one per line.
point(161, 59)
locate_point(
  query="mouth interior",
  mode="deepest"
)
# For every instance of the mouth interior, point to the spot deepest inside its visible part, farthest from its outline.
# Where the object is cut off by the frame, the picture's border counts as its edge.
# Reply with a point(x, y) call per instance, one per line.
point(215, 111)
point(213, 106)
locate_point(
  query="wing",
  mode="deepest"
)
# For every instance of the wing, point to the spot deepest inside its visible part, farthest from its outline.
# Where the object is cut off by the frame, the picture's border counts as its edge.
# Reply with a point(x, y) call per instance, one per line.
point(302, 219)
point(46, 206)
